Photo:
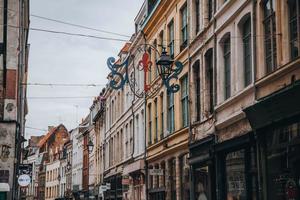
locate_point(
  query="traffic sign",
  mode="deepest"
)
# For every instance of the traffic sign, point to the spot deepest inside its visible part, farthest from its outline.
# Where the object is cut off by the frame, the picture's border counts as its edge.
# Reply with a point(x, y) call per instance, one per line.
point(24, 180)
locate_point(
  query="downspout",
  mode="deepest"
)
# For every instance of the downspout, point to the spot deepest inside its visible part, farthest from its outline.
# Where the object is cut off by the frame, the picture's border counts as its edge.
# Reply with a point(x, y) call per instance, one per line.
point(258, 155)
point(132, 111)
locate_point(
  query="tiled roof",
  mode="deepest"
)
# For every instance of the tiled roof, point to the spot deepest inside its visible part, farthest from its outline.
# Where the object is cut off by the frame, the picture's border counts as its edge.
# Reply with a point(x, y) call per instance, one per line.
point(47, 136)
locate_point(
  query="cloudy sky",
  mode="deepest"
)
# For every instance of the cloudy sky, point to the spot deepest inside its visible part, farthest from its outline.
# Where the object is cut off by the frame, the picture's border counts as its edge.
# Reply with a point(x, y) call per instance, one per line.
point(62, 59)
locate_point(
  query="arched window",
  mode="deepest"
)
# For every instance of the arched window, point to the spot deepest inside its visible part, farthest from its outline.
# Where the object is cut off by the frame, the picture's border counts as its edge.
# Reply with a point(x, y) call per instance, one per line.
point(247, 48)
point(227, 66)
point(149, 124)
point(196, 75)
point(210, 78)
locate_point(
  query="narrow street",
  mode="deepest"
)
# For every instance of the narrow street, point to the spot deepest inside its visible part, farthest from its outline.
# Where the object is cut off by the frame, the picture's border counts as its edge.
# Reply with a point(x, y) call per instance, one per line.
point(150, 100)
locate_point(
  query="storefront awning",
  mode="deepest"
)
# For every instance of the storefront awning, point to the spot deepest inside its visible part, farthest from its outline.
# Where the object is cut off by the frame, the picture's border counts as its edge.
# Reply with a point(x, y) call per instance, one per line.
point(275, 107)
point(4, 187)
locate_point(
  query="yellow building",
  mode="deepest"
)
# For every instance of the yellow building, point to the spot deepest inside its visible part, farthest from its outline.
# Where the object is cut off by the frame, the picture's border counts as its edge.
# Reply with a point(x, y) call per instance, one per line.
point(167, 118)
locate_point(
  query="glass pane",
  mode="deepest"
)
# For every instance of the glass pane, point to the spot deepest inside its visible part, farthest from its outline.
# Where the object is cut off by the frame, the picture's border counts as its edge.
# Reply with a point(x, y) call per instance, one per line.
point(283, 163)
point(202, 189)
point(235, 175)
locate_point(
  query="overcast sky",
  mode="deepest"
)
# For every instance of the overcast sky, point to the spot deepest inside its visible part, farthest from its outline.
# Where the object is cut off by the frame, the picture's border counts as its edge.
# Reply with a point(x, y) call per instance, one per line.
point(57, 58)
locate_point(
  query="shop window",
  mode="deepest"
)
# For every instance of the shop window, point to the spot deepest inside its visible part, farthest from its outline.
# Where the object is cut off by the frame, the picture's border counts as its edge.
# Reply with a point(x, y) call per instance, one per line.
point(235, 175)
point(270, 35)
point(172, 178)
point(283, 163)
point(184, 177)
point(202, 189)
point(238, 175)
point(294, 22)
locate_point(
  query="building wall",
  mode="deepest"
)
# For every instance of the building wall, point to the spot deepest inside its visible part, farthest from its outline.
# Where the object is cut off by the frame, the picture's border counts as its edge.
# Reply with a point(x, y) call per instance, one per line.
point(77, 159)
point(13, 71)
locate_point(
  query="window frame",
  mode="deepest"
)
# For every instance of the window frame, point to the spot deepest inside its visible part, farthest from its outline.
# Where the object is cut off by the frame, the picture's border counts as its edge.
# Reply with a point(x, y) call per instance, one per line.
point(184, 26)
point(184, 100)
point(171, 35)
point(247, 51)
point(171, 112)
point(269, 25)
point(227, 66)
point(291, 19)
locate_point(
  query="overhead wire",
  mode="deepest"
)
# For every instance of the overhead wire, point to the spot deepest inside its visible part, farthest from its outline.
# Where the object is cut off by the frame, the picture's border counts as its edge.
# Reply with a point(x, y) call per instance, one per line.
point(64, 84)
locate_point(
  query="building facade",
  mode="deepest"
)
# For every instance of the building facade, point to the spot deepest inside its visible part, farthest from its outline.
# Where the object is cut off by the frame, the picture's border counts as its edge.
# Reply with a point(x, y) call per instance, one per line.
point(14, 16)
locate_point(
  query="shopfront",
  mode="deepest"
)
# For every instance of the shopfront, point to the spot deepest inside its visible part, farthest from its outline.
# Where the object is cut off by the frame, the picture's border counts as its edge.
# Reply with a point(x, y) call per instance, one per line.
point(203, 169)
point(116, 191)
point(278, 140)
point(236, 169)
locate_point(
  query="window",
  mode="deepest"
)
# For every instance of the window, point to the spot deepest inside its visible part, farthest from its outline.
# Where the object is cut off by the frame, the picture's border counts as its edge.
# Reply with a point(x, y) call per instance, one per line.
point(210, 9)
point(294, 22)
point(196, 70)
point(185, 101)
point(184, 177)
point(197, 15)
point(270, 35)
point(210, 77)
point(150, 67)
point(171, 38)
point(162, 115)
point(227, 67)
point(238, 174)
point(282, 149)
point(171, 112)
point(184, 27)
point(156, 120)
point(161, 40)
point(149, 124)
point(202, 188)
point(247, 51)
point(172, 178)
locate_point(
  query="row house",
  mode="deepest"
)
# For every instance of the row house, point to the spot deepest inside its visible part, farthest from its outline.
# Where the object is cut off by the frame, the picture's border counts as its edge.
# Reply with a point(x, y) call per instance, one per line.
point(167, 114)
point(231, 131)
point(50, 169)
point(68, 148)
point(244, 111)
point(14, 52)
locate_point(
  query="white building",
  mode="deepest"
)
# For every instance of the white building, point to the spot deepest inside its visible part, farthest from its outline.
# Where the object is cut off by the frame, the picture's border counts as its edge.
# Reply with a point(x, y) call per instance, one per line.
point(77, 157)
point(52, 180)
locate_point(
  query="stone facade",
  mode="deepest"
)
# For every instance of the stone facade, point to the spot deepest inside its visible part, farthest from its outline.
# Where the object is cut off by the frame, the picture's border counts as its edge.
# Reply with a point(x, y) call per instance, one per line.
point(13, 75)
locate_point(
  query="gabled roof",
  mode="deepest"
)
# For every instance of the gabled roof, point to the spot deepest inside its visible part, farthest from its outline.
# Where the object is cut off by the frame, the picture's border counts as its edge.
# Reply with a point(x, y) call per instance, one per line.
point(48, 135)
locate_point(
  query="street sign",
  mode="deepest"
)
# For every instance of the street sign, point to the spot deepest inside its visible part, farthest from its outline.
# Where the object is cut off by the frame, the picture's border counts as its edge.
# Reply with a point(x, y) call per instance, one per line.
point(156, 172)
point(24, 180)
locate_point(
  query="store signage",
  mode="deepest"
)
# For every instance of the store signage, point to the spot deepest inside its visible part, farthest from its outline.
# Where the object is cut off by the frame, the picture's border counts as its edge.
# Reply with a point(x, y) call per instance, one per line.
point(24, 180)
point(156, 172)
point(103, 188)
point(108, 186)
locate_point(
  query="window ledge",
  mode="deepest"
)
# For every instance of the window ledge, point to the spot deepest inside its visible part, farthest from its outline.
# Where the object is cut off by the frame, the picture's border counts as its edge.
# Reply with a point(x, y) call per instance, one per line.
point(236, 97)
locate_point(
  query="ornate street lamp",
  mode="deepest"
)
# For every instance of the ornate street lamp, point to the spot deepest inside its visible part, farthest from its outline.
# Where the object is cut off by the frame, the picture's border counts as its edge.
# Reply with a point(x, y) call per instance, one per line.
point(164, 65)
point(90, 146)
point(167, 68)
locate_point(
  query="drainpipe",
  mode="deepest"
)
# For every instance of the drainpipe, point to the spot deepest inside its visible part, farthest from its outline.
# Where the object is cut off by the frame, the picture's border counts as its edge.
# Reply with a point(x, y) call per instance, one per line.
point(258, 155)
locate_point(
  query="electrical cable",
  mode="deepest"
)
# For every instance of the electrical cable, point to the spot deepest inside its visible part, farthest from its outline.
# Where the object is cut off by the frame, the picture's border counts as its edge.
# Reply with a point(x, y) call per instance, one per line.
point(79, 26)
point(64, 84)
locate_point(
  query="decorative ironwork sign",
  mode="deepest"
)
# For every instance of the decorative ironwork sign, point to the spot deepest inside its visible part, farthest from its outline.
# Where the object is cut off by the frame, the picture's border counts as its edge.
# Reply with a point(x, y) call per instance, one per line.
point(125, 72)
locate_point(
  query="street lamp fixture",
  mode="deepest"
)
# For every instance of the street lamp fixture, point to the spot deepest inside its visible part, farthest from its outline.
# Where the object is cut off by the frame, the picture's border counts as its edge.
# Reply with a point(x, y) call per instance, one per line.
point(90, 146)
point(164, 65)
